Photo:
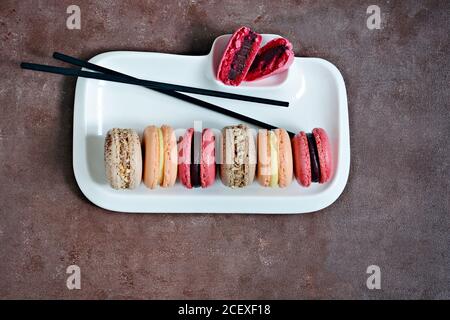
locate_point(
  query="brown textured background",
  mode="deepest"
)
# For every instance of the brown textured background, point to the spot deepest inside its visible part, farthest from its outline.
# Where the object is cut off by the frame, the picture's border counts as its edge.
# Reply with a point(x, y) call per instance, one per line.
point(393, 213)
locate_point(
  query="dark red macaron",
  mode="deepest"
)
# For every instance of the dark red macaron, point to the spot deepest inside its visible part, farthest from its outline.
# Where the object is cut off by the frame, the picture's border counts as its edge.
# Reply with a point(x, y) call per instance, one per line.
point(312, 157)
point(239, 54)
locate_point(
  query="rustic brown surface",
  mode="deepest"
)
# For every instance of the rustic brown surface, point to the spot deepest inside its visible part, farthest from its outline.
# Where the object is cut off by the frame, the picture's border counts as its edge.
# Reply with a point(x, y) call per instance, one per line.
point(393, 213)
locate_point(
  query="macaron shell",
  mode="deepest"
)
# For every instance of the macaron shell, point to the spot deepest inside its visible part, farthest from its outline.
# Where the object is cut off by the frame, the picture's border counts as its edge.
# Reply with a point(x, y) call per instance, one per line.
point(263, 172)
point(161, 156)
point(273, 147)
point(208, 160)
point(302, 160)
point(324, 152)
point(227, 149)
point(112, 159)
point(285, 165)
point(135, 159)
point(184, 158)
point(170, 156)
point(151, 156)
point(252, 157)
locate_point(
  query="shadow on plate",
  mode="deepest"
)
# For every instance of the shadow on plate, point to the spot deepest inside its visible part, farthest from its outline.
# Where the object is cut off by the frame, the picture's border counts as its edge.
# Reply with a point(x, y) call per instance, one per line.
point(95, 160)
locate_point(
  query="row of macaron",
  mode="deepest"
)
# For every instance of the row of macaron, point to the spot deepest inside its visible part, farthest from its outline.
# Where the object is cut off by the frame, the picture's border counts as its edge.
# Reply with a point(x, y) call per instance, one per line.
point(275, 159)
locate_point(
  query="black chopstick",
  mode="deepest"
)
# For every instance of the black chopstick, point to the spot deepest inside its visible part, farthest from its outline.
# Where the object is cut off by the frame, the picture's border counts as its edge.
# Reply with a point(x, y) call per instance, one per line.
point(180, 96)
point(148, 83)
point(175, 94)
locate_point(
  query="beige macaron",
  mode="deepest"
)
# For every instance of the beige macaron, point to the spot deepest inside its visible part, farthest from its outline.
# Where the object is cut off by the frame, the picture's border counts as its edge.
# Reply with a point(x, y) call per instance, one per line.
point(123, 158)
point(238, 156)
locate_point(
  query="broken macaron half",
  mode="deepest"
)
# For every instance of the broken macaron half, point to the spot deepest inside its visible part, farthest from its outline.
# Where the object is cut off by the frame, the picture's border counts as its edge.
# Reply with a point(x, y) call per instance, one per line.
point(275, 57)
point(239, 54)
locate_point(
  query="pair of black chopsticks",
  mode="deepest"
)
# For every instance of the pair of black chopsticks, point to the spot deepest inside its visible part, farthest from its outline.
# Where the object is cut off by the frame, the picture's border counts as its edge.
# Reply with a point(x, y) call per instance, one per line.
point(103, 73)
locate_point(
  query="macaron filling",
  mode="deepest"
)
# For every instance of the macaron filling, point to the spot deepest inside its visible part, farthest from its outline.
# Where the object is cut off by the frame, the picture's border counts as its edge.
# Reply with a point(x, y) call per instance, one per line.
point(266, 62)
point(239, 157)
point(241, 56)
point(272, 54)
point(273, 147)
point(314, 157)
point(238, 56)
point(196, 159)
point(124, 164)
point(170, 165)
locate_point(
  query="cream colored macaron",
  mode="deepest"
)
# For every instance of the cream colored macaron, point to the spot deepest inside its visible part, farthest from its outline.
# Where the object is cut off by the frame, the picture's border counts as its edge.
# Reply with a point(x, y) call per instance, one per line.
point(238, 156)
point(275, 167)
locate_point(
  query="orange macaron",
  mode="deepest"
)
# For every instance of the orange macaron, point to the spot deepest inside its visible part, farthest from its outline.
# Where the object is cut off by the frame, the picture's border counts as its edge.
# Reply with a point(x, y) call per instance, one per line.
point(275, 165)
point(160, 156)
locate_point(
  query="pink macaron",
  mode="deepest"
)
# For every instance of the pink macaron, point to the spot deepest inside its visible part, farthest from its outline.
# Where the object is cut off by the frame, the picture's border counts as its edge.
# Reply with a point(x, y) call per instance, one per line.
point(208, 159)
point(302, 162)
point(196, 158)
point(324, 152)
point(312, 157)
point(184, 158)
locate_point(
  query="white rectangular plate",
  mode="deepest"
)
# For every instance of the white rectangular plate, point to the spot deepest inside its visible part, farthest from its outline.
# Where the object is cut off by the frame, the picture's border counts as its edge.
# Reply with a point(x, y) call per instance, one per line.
point(314, 88)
